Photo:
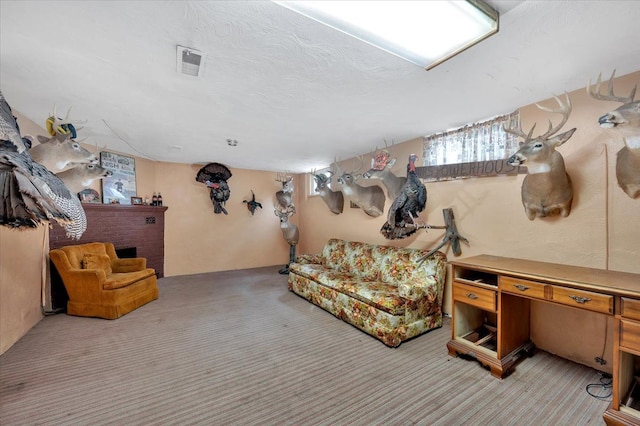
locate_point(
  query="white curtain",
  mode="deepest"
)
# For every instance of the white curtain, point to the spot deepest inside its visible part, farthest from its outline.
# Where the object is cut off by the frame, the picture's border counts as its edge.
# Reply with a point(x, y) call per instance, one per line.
point(483, 141)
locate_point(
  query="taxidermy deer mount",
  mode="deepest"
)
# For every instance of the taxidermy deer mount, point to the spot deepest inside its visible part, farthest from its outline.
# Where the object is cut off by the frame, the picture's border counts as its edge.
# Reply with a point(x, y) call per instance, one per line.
point(625, 121)
point(546, 190)
point(290, 233)
point(333, 199)
point(370, 198)
point(381, 165)
point(285, 195)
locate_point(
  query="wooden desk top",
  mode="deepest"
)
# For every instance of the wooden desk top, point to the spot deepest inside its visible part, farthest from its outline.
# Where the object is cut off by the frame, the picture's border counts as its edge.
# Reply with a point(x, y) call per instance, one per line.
point(610, 282)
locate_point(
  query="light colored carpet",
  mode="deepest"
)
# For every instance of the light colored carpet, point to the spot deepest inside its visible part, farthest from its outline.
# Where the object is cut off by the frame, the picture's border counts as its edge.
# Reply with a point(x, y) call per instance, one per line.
point(237, 348)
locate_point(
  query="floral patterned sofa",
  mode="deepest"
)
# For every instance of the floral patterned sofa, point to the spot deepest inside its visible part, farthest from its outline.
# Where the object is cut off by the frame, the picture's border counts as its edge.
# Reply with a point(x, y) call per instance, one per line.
point(382, 290)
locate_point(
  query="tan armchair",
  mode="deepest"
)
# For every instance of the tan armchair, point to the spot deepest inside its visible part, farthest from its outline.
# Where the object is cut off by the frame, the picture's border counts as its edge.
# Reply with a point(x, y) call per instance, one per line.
point(100, 284)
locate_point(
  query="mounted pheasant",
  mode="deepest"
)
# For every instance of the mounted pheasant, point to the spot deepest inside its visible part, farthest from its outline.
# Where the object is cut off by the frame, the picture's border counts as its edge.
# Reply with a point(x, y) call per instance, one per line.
point(407, 206)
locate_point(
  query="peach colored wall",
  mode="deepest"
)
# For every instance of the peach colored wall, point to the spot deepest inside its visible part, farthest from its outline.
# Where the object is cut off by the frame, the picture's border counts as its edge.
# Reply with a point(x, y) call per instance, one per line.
point(21, 271)
point(198, 240)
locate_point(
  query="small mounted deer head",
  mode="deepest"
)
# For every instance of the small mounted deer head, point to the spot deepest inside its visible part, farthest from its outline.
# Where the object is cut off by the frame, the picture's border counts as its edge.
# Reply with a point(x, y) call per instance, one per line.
point(625, 121)
point(285, 195)
point(289, 230)
point(333, 199)
point(546, 190)
point(60, 151)
point(370, 198)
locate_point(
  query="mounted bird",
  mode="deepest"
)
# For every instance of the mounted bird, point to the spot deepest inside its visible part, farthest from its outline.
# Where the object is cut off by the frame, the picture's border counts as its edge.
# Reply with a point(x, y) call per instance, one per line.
point(252, 204)
point(215, 176)
point(406, 208)
point(31, 194)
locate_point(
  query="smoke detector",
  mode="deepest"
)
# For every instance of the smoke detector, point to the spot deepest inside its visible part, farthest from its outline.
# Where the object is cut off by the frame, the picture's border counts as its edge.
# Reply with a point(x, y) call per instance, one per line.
point(189, 61)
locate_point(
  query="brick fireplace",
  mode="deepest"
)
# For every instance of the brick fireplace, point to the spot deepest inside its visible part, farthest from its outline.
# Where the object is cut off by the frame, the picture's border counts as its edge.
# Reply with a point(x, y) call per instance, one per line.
point(127, 227)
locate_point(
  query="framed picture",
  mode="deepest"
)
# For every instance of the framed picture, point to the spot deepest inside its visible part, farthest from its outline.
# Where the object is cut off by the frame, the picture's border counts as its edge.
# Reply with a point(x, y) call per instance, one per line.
point(120, 187)
point(89, 195)
point(137, 201)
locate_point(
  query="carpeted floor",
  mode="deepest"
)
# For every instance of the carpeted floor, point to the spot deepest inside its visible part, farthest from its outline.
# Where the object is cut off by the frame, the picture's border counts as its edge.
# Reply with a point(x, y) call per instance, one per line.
point(237, 348)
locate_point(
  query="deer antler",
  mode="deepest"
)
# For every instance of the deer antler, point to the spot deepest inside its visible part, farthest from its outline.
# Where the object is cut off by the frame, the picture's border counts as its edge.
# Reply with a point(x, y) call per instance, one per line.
point(609, 96)
point(564, 109)
point(361, 158)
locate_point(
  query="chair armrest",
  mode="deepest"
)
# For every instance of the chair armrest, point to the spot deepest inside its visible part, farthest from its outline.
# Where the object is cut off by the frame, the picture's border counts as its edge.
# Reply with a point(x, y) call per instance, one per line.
point(83, 284)
point(129, 264)
point(310, 258)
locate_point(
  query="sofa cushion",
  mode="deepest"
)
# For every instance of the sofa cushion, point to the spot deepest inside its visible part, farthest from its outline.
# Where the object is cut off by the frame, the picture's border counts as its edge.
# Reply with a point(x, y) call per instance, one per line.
point(97, 261)
point(383, 296)
point(119, 280)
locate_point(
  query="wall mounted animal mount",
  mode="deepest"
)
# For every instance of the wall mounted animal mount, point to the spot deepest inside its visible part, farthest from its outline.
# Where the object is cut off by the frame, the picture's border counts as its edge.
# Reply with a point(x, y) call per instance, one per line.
point(60, 151)
point(285, 195)
point(289, 230)
point(82, 176)
point(381, 165)
point(405, 209)
point(252, 204)
point(333, 199)
point(215, 176)
point(625, 121)
point(546, 190)
point(370, 198)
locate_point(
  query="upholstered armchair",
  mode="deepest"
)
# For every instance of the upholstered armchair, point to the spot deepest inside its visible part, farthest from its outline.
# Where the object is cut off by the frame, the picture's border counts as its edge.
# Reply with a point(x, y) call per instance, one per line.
point(100, 284)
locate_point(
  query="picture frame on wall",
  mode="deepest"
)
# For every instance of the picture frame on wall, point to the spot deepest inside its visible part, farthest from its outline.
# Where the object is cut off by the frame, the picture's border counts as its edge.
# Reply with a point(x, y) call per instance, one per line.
point(120, 187)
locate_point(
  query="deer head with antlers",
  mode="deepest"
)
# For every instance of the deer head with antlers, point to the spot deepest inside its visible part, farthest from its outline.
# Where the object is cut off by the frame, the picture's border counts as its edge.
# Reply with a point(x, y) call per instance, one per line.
point(370, 198)
point(546, 190)
point(625, 121)
point(381, 164)
point(333, 199)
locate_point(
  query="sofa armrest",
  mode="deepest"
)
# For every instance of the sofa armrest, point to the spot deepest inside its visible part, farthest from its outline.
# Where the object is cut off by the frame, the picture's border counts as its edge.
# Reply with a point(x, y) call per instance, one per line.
point(310, 258)
point(416, 290)
point(129, 264)
point(84, 284)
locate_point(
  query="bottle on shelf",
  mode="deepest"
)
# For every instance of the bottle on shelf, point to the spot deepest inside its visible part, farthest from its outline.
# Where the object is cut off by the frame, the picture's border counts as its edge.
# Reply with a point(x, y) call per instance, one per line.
point(154, 199)
point(159, 199)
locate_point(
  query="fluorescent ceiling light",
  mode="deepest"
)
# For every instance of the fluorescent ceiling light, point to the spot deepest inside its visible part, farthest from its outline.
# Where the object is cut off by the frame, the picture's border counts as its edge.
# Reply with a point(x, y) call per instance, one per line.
point(426, 33)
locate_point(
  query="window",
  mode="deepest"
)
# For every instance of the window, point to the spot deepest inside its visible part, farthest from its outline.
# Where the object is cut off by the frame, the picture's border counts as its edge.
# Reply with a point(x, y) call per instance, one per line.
point(482, 148)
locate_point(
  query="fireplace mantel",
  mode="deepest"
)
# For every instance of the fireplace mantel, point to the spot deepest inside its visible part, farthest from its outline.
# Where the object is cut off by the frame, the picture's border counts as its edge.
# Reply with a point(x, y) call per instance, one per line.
point(124, 226)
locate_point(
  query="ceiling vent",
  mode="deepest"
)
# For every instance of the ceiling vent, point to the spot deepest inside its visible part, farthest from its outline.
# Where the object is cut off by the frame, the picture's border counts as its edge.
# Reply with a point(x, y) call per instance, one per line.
point(189, 61)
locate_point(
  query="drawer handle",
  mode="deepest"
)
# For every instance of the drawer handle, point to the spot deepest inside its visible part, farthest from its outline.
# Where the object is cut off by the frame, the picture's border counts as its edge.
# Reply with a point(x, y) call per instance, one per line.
point(521, 287)
point(471, 296)
point(581, 300)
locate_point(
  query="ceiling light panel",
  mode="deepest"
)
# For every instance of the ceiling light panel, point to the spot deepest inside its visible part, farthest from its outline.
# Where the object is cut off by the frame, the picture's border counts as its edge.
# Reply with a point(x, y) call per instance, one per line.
point(425, 33)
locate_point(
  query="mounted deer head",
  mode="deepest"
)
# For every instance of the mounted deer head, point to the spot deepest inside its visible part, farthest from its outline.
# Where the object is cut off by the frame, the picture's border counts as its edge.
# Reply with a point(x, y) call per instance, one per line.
point(333, 199)
point(58, 152)
point(381, 165)
point(546, 190)
point(82, 176)
point(625, 120)
point(370, 198)
point(289, 230)
point(285, 195)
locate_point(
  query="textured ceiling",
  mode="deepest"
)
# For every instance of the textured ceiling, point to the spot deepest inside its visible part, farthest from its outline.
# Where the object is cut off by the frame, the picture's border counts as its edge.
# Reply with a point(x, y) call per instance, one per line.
point(293, 93)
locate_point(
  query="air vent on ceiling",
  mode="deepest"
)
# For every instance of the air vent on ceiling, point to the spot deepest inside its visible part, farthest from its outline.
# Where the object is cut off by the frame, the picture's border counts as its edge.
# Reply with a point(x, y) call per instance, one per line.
point(189, 61)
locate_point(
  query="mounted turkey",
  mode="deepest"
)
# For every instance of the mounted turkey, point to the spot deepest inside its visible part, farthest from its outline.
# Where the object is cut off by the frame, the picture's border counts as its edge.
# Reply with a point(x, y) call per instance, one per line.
point(407, 206)
point(31, 194)
point(215, 176)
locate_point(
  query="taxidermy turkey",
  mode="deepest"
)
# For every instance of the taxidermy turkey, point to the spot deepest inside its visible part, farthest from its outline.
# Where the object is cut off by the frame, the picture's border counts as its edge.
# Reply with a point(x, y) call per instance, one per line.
point(31, 194)
point(407, 206)
point(215, 176)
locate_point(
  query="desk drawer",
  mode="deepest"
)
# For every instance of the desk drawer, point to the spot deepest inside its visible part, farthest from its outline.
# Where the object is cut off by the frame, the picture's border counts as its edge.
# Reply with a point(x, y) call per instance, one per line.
point(583, 299)
point(630, 308)
point(479, 297)
point(630, 335)
point(522, 287)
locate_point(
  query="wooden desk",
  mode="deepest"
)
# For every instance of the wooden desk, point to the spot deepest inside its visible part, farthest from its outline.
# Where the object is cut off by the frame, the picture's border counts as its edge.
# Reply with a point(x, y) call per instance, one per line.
point(491, 315)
